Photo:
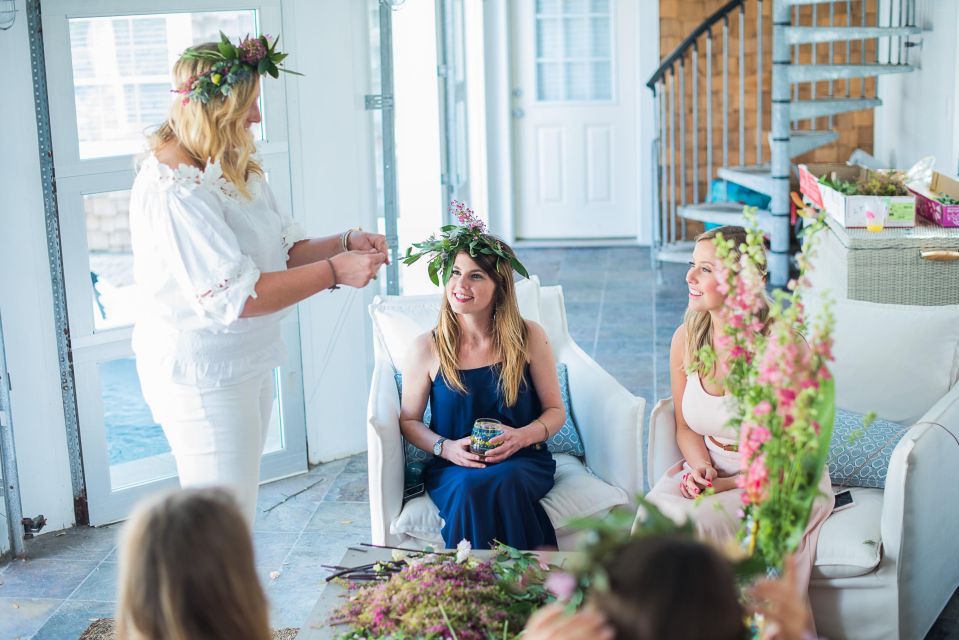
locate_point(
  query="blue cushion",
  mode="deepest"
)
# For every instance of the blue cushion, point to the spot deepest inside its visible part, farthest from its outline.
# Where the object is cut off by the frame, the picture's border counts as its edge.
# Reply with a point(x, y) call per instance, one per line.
point(566, 440)
point(416, 458)
point(858, 455)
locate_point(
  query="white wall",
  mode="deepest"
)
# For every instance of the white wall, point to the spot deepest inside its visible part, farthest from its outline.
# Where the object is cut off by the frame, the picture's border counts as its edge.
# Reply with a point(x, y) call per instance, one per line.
point(919, 112)
point(26, 298)
point(648, 45)
point(332, 167)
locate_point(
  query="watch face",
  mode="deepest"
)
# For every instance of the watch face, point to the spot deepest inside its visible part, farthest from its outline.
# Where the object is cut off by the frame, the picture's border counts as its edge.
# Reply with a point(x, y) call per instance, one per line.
point(438, 447)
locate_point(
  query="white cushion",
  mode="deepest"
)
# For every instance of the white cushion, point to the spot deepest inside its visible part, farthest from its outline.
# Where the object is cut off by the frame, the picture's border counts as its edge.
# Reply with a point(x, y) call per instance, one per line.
point(576, 494)
point(896, 360)
point(398, 320)
point(850, 541)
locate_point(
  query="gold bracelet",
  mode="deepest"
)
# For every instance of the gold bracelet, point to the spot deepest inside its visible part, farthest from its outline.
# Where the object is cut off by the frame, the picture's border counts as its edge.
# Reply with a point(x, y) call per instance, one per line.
point(545, 428)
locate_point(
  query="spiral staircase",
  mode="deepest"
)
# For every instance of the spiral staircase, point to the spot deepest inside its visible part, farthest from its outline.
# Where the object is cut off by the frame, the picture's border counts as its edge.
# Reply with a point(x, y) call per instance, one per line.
point(822, 57)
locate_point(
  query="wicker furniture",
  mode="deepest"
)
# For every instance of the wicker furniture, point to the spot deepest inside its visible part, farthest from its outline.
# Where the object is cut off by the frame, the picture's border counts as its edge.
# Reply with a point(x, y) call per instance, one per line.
point(916, 266)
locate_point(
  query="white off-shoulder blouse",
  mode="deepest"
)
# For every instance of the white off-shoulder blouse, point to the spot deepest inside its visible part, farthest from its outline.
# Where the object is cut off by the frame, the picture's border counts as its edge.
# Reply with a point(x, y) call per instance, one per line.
point(199, 246)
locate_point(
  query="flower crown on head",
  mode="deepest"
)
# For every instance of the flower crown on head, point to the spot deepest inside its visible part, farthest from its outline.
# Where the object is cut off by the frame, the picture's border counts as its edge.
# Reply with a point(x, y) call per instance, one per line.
point(232, 63)
point(469, 236)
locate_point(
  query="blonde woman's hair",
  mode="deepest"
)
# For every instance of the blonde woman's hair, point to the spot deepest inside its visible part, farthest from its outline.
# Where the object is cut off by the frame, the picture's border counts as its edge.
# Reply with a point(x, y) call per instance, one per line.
point(698, 324)
point(186, 571)
point(510, 333)
point(215, 130)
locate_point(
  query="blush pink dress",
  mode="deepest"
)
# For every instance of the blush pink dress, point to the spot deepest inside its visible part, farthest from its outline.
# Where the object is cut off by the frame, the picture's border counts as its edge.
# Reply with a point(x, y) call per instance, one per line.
point(717, 517)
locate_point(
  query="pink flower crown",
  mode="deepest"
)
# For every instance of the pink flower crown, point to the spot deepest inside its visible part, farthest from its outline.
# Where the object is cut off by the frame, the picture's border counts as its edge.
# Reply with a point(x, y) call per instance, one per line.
point(231, 64)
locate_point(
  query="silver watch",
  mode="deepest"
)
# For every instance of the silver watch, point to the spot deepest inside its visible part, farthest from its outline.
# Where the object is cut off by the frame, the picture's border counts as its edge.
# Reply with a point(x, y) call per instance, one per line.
point(438, 446)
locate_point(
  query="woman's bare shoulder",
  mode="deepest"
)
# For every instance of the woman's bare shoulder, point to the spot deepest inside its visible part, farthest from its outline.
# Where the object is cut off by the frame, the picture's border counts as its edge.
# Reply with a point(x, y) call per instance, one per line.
point(173, 155)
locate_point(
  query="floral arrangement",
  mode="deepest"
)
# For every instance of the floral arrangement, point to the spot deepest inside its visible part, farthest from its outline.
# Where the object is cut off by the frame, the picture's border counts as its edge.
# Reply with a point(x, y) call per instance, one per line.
point(426, 594)
point(783, 392)
point(469, 235)
point(232, 63)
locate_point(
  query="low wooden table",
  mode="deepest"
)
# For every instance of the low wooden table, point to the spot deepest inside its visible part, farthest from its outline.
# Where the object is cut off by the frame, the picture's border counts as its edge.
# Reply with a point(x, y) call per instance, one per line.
point(317, 625)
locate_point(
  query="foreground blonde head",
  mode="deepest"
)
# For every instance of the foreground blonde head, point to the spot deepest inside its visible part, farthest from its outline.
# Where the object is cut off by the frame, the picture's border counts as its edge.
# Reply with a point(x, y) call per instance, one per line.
point(699, 324)
point(186, 571)
point(213, 131)
point(510, 334)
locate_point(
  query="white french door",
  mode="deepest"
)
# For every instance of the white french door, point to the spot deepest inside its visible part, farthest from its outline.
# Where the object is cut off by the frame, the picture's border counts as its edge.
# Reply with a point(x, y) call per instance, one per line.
point(575, 120)
point(108, 76)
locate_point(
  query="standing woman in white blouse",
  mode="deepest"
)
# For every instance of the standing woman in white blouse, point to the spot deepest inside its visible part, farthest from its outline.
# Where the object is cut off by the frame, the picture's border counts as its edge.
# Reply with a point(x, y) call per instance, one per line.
point(218, 266)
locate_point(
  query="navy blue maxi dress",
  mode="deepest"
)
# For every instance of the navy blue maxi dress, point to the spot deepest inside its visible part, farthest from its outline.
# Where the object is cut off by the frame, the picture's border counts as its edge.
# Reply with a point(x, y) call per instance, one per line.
point(500, 502)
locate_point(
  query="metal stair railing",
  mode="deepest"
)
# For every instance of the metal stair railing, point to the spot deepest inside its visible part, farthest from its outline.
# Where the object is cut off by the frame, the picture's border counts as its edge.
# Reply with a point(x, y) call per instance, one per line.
point(797, 101)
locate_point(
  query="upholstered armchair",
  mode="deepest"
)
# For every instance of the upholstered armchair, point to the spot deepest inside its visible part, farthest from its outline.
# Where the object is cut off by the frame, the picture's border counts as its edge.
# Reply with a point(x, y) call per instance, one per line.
point(886, 567)
point(609, 419)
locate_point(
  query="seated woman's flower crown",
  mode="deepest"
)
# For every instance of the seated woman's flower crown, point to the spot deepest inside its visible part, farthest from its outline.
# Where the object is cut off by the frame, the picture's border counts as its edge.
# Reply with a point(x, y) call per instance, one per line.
point(469, 236)
point(232, 63)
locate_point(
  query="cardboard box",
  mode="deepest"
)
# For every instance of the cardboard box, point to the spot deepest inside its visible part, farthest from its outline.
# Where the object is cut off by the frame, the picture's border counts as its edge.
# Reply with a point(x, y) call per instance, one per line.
point(850, 211)
point(945, 215)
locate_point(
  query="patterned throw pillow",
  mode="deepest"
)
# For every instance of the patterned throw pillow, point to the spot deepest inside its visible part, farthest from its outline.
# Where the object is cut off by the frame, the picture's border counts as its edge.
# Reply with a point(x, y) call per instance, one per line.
point(416, 458)
point(566, 440)
point(859, 457)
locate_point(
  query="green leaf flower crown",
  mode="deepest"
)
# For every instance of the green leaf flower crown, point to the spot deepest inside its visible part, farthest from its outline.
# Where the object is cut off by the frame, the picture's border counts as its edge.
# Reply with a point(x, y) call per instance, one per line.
point(232, 63)
point(469, 236)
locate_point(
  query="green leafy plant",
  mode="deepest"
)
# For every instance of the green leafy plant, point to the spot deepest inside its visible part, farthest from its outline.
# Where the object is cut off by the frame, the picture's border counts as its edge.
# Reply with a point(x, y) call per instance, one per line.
point(945, 198)
point(873, 183)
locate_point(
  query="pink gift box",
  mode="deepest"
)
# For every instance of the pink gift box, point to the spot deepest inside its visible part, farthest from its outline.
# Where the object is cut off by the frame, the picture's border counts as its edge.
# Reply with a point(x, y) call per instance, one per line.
point(945, 215)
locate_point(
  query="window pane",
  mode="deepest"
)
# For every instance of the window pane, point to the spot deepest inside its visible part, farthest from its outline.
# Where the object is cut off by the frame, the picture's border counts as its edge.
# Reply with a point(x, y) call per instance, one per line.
point(576, 37)
point(549, 81)
point(136, 447)
point(107, 218)
point(602, 81)
point(600, 37)
point(578, 81)
point(547, 6)
point(121, 72)
point(549, 38)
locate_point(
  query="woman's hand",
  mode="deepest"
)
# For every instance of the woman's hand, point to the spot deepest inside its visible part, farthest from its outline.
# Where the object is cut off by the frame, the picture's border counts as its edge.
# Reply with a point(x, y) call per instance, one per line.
point(357, 268)
point(458, 452)
point(510, 441)
point(782, 604)
point(552, 623)
point(697, 480)
point(363, 241)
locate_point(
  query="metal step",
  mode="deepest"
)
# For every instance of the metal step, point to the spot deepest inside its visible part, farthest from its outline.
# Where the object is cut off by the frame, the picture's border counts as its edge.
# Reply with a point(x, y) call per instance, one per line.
point(679, 252)
point(755, 177)
point(801, 141)
point(721, 213)
point(807, 35)
point(813, 72)
point(803, 109)
point(793, 2)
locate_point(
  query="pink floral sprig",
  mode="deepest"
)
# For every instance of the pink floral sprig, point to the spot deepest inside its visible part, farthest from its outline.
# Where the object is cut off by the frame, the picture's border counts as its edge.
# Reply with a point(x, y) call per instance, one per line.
point(466, 217)
point(783, 394)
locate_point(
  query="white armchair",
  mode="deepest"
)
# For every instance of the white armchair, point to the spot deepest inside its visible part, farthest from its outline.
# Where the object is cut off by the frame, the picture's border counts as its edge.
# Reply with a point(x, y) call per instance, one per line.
point(610, 421)
point(886, 567)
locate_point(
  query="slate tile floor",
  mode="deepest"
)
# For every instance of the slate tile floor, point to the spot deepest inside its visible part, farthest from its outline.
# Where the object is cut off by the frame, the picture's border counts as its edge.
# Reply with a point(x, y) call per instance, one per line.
point(620, 310)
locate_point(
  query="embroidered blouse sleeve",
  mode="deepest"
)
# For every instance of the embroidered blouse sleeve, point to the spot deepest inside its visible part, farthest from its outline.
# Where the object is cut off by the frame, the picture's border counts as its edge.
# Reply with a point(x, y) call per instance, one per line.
point(292, 232)
point(203, 253)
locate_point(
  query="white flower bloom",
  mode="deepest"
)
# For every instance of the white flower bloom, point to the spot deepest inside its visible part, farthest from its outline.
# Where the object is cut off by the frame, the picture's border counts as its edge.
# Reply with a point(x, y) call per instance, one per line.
point(463, 550)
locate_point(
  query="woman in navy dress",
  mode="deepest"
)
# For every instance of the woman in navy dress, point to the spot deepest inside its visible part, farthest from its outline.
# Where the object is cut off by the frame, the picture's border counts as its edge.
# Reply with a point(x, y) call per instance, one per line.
point(484, 360)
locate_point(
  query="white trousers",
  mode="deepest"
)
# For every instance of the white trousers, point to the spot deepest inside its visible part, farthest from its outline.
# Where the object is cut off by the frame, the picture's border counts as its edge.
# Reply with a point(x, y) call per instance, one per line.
point(216, 434)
